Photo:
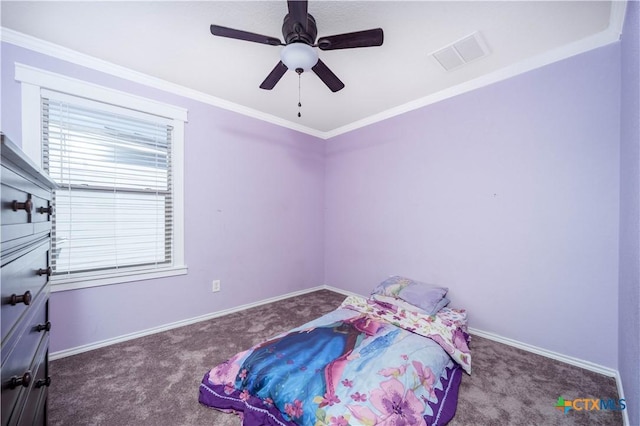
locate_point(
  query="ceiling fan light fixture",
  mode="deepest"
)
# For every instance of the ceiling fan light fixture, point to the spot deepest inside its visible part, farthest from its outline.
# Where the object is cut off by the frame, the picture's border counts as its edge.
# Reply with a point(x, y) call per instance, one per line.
point(299, 56)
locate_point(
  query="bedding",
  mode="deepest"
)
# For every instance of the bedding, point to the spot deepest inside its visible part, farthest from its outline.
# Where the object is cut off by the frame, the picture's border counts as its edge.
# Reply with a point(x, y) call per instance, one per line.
point(427, 297)
point(368, 362)
point(408, 306)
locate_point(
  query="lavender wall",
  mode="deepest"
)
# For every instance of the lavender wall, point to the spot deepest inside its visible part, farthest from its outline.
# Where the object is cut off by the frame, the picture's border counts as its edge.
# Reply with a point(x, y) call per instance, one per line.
point(253, 207)
point(629, 306)
point(508, 195)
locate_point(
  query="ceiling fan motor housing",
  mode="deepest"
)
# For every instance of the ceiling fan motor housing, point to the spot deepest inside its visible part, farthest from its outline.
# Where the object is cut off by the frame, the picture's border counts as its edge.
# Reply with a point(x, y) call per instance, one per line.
point(293, 31)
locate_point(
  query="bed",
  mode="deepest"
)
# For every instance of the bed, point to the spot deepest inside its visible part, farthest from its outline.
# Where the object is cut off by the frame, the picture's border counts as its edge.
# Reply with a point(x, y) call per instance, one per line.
point(394, 358)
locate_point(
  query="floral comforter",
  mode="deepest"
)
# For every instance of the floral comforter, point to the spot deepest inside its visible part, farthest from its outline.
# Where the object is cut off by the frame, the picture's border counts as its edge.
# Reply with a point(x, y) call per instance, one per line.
point(366, 363)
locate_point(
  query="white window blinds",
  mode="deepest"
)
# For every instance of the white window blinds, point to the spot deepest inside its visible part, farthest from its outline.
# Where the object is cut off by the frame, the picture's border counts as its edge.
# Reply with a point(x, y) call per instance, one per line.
point(114, 209)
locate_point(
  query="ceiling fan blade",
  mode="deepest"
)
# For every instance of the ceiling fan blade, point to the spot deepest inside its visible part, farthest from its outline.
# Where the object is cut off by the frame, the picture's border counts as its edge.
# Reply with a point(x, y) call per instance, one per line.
point(217, 30)
point(327, 76)
point(274, 76)
point(366, 38)
point(298, 11)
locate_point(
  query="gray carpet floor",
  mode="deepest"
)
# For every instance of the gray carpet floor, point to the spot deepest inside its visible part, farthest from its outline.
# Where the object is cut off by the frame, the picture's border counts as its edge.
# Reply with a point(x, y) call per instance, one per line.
point(154, 380)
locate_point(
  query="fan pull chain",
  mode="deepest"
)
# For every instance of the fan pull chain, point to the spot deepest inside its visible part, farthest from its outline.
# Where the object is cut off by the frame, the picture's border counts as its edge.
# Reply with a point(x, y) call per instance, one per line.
point(299, 103)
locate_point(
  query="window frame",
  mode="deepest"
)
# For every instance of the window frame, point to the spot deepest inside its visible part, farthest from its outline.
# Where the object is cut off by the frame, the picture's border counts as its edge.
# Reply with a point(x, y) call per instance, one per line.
point(33, 82)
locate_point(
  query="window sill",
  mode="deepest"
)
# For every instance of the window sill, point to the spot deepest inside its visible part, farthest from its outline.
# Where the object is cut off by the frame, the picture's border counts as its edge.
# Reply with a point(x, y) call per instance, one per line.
point(80, 281)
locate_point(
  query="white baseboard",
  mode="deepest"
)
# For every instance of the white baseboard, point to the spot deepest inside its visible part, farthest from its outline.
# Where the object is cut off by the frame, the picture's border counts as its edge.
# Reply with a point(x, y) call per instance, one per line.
point(558, 357)
point(625, 413)
point(546, 353)
point(341, 291)
point(491, 336)
point(487, 335)
point(107, 342)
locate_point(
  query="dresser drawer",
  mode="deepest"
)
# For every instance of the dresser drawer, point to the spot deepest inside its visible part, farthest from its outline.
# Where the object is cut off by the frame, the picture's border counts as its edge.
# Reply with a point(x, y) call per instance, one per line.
point(25, 207)
point(23, 201)
point(22, 362)
point(22, 281)
point(33, 412)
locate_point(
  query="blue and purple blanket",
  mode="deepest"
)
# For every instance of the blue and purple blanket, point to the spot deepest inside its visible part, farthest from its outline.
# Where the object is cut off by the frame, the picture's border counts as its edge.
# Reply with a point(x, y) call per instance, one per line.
point(366, 363)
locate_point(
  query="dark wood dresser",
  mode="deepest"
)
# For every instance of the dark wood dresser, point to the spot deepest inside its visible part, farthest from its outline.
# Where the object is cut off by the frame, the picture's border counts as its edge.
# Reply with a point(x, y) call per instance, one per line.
point(25, 244)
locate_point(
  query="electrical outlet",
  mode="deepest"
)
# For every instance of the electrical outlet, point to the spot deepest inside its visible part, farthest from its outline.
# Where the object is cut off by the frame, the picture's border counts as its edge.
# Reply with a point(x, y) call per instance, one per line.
point(215, 285)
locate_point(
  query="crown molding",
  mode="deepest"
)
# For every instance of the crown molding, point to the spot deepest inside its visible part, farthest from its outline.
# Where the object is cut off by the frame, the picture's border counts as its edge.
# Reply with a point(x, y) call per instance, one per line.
point(47, 48)
point(610, 35)
point(616, 17)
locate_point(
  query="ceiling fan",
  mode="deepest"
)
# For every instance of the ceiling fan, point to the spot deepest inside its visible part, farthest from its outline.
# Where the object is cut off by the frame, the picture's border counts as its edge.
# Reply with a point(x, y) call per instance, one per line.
point(300, 31)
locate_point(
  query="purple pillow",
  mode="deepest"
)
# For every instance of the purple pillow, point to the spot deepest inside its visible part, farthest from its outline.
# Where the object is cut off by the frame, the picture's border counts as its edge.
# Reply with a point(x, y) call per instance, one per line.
point(425, 296)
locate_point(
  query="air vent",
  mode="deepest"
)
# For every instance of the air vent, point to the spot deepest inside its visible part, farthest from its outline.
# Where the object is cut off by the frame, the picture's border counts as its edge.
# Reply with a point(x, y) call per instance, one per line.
point(461, 52)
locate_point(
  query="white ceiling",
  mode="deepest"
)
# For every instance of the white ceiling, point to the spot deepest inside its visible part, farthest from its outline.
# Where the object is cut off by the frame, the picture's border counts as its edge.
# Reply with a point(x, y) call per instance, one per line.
point(171, 42)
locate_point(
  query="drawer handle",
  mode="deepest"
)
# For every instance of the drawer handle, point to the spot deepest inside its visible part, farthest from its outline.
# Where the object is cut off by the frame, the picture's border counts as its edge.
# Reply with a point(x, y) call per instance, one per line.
point(44, 327)
point(26, 206)
point(43, 382)
point(25, 298)
point(46, 272)
point(24, 381)
point(48, 210)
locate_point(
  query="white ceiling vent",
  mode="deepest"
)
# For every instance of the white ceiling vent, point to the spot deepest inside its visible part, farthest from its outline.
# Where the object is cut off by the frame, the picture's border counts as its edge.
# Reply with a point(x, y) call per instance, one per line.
point(461, 52)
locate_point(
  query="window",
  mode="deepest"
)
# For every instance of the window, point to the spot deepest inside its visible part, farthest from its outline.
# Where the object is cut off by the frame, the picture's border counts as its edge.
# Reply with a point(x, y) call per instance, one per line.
point(118, 208)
